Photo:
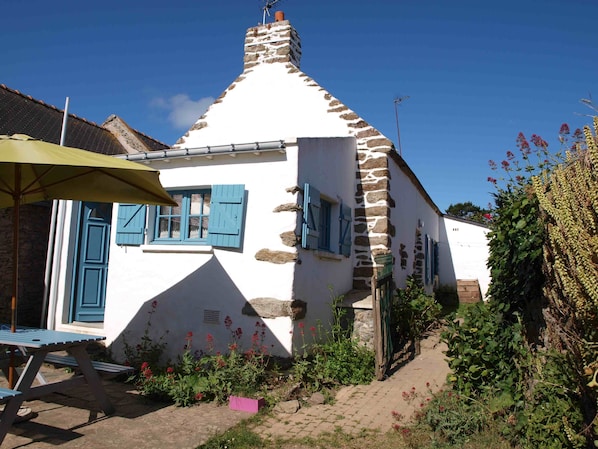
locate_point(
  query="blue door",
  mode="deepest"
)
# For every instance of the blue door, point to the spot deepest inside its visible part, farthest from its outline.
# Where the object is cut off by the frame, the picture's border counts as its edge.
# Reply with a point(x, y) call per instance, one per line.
point(91, 263)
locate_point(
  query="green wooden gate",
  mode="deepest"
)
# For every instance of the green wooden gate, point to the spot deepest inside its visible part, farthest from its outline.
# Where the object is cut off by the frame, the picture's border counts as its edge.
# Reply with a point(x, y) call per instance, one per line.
point(382, 292)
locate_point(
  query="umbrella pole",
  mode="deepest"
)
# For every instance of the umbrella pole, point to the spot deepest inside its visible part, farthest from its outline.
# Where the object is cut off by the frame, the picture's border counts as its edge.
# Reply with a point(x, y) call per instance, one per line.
point(15, 271)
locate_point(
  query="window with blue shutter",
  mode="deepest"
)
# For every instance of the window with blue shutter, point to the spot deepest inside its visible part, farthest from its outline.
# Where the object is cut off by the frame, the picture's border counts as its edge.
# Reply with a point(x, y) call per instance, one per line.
point(130, 224)
point(344, 241)
point(311, 217)
point(227, 211)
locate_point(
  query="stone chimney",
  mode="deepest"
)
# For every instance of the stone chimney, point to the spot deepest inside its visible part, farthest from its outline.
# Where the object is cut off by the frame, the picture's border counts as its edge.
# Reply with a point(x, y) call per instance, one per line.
point(271, 43)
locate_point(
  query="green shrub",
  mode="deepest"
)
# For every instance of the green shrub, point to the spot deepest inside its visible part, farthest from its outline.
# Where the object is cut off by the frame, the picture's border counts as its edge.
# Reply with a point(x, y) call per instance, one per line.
point(334, 358)
point(413, 311)
point(484, 349)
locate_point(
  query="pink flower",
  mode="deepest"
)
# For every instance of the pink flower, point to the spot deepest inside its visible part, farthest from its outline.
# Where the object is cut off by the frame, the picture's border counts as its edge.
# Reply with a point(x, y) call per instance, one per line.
point(144, 366)
point(564, 129)
point(301, 325)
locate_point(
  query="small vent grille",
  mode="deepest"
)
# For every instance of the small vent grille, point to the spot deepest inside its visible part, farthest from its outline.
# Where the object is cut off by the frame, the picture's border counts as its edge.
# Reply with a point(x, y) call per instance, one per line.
point(211, 316)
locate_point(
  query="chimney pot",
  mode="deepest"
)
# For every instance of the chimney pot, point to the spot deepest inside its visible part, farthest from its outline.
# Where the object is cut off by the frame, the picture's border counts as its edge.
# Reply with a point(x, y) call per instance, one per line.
point(278, 16)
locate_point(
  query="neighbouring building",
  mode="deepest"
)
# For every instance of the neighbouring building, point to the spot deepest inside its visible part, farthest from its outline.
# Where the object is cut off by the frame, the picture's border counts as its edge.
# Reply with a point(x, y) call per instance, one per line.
point(22, 114)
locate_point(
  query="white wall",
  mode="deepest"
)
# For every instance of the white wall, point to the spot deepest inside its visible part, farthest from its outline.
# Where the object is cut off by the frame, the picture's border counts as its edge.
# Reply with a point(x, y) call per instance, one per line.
point(465, 253)
point(411, 212)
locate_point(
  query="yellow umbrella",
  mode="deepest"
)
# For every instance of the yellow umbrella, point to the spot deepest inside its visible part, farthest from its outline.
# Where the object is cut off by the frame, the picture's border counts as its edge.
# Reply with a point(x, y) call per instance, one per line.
point(32, 170)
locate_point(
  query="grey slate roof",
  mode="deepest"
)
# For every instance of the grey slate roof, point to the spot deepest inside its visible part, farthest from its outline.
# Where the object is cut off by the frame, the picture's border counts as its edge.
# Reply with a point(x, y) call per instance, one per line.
point(22, 114)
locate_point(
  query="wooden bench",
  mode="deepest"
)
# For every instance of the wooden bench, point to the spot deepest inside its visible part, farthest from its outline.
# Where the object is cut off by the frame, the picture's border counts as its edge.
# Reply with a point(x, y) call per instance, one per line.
point(107, 370)
point(7, 393)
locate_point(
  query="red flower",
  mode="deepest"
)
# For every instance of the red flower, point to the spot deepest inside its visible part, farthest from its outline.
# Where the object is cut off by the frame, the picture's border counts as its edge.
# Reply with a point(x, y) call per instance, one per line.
point(232, 347)
point(239, 332)
point(523, 144)
point(199, 396)
point(564, 129)
point(492, 164)
point(210, 338)
point(538, 141)
point(144, 366)
point(147, 373)
point(170, 370)
point(505, 164)
point(189, 335)
point(301, 325)
point(510, 155)
point(488, 216)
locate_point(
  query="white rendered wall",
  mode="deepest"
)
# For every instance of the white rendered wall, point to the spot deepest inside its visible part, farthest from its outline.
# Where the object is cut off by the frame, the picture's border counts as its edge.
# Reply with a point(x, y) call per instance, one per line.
point(467, 250)
point(411, 212)
point(271, 101)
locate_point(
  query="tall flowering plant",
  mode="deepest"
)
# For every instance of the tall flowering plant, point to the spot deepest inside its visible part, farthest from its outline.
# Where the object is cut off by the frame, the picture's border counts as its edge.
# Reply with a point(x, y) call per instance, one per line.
point(206, 374)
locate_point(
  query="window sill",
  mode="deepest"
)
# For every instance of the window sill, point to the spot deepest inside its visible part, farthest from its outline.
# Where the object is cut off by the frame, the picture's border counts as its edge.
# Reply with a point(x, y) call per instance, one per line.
point(177, 249)
point(328, 255)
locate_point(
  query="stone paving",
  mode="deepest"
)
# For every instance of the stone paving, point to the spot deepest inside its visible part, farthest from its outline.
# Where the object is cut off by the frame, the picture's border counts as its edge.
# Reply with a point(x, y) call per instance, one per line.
point(73, 420)
point(368, 406)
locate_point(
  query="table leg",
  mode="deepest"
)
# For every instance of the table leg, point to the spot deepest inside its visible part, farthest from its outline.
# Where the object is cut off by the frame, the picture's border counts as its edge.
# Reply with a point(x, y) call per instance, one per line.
point(92, 378)
point(11, 409)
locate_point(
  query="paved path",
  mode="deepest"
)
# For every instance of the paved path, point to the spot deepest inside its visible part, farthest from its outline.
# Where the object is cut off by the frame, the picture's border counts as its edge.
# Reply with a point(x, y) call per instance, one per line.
point(368, 406)
point(73, 421)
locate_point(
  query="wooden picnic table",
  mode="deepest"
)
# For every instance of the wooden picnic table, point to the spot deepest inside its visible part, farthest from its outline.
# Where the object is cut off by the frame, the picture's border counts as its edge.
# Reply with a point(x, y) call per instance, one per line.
point(37, 344)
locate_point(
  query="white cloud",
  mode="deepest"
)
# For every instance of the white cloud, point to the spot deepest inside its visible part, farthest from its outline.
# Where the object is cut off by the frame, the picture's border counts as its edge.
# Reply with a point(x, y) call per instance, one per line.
point(183, 111)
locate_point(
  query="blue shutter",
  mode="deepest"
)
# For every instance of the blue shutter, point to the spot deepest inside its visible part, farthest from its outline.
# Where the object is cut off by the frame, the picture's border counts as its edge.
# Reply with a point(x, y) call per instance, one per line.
point(311, 217)
point(344, 241)
point(227, 209)
point(130, 224)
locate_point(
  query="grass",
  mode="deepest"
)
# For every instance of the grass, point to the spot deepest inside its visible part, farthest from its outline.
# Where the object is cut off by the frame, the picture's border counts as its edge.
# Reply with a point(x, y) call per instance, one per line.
point(243, 437)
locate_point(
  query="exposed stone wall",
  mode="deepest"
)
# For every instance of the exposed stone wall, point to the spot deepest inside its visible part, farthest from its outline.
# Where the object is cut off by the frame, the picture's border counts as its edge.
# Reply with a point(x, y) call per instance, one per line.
point(363, 327)
point(273, 42)
point(419, 256)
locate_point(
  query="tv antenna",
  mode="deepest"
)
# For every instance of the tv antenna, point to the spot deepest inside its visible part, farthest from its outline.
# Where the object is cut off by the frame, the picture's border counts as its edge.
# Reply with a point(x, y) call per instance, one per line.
point(268, 4)
point(397, 102)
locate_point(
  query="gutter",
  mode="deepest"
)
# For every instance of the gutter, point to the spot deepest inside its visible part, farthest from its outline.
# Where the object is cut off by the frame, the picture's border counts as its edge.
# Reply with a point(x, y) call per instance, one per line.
point(208, 151)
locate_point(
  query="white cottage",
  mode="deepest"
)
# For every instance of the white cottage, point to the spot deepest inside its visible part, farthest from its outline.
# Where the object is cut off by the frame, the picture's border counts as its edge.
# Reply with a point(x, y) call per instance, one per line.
point(285, 199)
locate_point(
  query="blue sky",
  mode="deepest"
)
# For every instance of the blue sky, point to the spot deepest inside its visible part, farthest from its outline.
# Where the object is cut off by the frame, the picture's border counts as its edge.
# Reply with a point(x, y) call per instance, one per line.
point(475, 73)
